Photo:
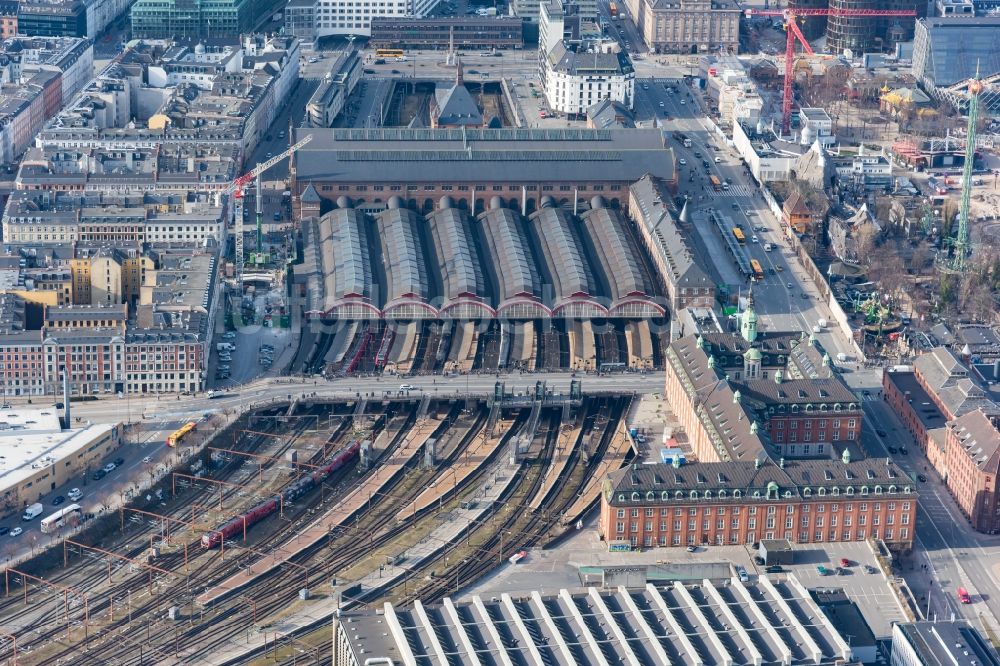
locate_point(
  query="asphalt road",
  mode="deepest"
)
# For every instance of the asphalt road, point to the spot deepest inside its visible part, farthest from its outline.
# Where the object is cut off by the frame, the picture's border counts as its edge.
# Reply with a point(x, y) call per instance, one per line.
point(953, 553)
point(781, 306)
point(265, 390)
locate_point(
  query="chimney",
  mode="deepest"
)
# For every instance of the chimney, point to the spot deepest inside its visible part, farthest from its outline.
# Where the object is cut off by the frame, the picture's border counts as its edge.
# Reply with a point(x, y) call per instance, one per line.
point(66, 397)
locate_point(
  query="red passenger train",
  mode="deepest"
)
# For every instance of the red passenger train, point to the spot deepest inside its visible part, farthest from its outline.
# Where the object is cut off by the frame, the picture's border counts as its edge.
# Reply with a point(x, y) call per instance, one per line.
point(293, 492)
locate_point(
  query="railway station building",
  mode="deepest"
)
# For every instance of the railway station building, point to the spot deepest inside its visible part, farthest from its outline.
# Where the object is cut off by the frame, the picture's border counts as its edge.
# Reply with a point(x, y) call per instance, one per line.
point(742, 502)
point(473, 166)
point(401, 265)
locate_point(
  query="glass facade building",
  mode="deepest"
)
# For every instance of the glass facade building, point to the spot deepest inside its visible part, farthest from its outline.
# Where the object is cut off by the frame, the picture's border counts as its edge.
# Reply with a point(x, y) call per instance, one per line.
point(198, 19)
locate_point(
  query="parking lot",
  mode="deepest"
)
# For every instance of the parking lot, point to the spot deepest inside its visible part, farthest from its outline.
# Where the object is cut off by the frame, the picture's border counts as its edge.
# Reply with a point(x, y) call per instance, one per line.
point(550, 570)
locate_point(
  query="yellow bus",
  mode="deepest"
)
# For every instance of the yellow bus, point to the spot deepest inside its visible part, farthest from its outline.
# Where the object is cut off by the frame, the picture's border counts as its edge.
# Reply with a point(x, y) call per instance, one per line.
point(716, 183)
point(758, 272)
point(388, 53)
point(176, 436)
point(738, 235)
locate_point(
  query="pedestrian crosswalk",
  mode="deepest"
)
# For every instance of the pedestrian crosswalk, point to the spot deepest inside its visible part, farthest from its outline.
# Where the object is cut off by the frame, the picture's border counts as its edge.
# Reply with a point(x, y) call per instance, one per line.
point(735, 191)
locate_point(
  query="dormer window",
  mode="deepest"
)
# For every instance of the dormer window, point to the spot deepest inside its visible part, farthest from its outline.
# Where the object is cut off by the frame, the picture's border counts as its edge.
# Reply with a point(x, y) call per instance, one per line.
point(822, 491)
point(694, 494)
point(635, 497)
point(650, 496)
point(807, 492)
point(864, 490)
point(892, 490)
point(878, 490)
point(665, 496)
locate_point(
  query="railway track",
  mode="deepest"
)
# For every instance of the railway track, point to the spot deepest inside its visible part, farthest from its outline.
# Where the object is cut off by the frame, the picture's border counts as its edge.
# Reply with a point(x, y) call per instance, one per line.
point(167, 561)
point(531, 527)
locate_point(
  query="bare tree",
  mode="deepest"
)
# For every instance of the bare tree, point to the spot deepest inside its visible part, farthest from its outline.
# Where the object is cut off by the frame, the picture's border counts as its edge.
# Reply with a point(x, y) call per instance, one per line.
point(866, 239)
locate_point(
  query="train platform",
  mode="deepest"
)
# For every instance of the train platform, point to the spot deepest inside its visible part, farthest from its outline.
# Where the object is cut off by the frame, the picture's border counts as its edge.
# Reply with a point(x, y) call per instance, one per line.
point(569, 438)
point(618, 448)
point(335, 517)
point(386, 576)
point(480, 450)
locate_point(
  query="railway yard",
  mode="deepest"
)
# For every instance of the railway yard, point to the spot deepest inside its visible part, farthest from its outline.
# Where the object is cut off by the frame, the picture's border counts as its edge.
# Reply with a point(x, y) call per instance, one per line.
point(253, 542)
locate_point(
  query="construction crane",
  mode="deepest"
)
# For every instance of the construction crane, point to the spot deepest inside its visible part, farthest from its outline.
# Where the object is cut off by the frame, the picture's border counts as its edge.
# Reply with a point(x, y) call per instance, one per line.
point(790, 17)
point(960, 245)
point(236, 189)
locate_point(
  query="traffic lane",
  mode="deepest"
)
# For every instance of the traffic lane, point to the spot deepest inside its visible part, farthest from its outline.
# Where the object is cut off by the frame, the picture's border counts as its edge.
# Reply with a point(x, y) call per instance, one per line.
point(946, 536)
point(93, 491)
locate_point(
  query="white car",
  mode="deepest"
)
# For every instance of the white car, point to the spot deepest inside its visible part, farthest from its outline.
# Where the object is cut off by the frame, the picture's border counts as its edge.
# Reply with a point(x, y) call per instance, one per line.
point(147, 460)
point(17, 531)
point(683, 102)
point(74, 494)
point(406, 387)
point(229, 335)
point(754, 239)
point(662, 105)
point(718, 160)
point(682, 161)
point(110, 467)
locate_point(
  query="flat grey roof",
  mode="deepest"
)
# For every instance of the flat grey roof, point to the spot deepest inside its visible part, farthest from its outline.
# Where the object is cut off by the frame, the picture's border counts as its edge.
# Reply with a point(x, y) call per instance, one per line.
point(403, 155)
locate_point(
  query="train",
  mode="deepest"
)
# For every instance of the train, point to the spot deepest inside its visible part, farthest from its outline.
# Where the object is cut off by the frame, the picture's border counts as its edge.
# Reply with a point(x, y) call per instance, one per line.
point(296, 490)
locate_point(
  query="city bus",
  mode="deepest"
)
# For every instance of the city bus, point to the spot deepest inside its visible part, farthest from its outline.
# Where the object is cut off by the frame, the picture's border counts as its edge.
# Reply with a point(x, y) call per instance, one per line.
point(176, 436)
point(716, 183)
point(758, 272)
point(738, 235)
point(388, 53)
point(69, 515)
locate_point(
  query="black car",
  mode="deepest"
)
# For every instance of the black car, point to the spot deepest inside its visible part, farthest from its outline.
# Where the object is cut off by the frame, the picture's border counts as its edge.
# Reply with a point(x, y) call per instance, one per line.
point(758, 560)
point(904, 451)
point(921, 478)
point(774, 568)
point(119, 462)
point(58, 500)
point(99, 474)
point(881, 433)
point(893, 450)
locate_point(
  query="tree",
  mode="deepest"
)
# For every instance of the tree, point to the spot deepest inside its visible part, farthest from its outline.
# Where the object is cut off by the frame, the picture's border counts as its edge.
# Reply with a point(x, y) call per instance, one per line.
point(866, 239)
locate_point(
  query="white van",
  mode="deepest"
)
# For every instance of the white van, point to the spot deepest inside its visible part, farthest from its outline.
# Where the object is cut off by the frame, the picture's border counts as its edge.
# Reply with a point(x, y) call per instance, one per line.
point(32, 512)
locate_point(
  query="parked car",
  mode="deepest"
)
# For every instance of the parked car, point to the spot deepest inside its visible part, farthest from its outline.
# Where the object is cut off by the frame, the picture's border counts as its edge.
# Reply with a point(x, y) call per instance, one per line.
point(742, 573)
point(758, 560)
point(17, 531)
point(822, 571)
point(921, 478)
point(119, 462)
point(692, 549)
point(99, 474)
point(892, 449)
point(75, 494)
point(110, 467)
point(774, 568)
point(147, 460)
point(844, 562)
point(869, 569)
point(881, 433)
point(58, 500)
point(4, 530)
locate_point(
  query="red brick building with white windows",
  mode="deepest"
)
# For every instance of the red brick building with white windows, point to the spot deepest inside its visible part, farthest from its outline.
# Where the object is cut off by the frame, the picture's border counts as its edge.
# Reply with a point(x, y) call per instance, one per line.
point(804, 501)
point(972, 452)
point(769, 392)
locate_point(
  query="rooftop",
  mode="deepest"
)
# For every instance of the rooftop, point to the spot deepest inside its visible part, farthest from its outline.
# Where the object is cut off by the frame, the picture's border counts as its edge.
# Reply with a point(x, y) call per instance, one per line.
point(710, 622)
point(33, 438)
point(947, 643)
point(403, 155)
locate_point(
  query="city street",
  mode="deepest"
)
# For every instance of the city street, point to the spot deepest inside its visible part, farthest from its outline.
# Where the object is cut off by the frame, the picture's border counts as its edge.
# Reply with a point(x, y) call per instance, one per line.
point(953, 553)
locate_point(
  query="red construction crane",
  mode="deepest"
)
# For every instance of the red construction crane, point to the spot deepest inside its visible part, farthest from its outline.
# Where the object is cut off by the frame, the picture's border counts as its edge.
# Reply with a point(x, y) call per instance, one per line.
point(792, 29)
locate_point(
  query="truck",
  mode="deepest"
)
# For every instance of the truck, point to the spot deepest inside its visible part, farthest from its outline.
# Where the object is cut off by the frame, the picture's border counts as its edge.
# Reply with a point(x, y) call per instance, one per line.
point(613, 10)
point(32, 512)
point(963, 596)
